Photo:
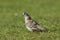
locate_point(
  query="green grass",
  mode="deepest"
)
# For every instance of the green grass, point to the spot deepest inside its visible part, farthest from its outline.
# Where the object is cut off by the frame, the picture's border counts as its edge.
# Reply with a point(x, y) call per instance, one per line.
point(45, 12)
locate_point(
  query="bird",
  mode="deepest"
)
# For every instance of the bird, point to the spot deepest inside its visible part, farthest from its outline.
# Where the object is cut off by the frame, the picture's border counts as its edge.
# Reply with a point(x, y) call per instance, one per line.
point(31, 24)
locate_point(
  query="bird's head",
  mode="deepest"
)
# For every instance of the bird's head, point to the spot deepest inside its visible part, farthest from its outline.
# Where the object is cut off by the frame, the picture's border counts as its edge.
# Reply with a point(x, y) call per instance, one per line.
point(26, 16)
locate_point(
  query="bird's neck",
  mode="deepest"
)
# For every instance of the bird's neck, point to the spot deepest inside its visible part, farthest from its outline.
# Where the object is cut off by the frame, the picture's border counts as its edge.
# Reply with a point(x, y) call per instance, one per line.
point(27, 19)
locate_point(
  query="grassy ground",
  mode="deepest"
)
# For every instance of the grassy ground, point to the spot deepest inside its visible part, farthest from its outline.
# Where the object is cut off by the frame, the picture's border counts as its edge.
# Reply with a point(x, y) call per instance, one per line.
point(45, 12)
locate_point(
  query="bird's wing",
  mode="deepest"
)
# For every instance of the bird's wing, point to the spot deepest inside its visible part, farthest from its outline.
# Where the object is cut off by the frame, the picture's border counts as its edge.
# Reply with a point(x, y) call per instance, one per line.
point(34, 22)
point(40, 27)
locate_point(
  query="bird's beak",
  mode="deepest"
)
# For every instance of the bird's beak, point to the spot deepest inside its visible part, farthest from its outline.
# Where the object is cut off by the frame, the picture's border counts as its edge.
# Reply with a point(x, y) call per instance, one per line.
point(23, 14)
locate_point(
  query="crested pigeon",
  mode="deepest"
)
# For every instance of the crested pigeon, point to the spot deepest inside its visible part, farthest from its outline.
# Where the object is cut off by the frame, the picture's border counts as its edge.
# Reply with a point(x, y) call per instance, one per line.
point(31, 24)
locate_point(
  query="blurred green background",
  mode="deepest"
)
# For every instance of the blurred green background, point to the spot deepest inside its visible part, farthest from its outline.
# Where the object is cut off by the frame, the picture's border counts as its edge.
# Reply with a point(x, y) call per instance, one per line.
point(45, 12)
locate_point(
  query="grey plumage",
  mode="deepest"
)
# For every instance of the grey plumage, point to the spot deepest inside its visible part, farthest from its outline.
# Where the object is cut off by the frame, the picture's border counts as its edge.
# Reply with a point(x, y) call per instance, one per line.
point(31, 24)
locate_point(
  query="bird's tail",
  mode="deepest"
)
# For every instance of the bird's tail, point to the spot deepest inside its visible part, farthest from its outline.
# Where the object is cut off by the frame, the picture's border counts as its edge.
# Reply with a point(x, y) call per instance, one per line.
point(42, 28)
